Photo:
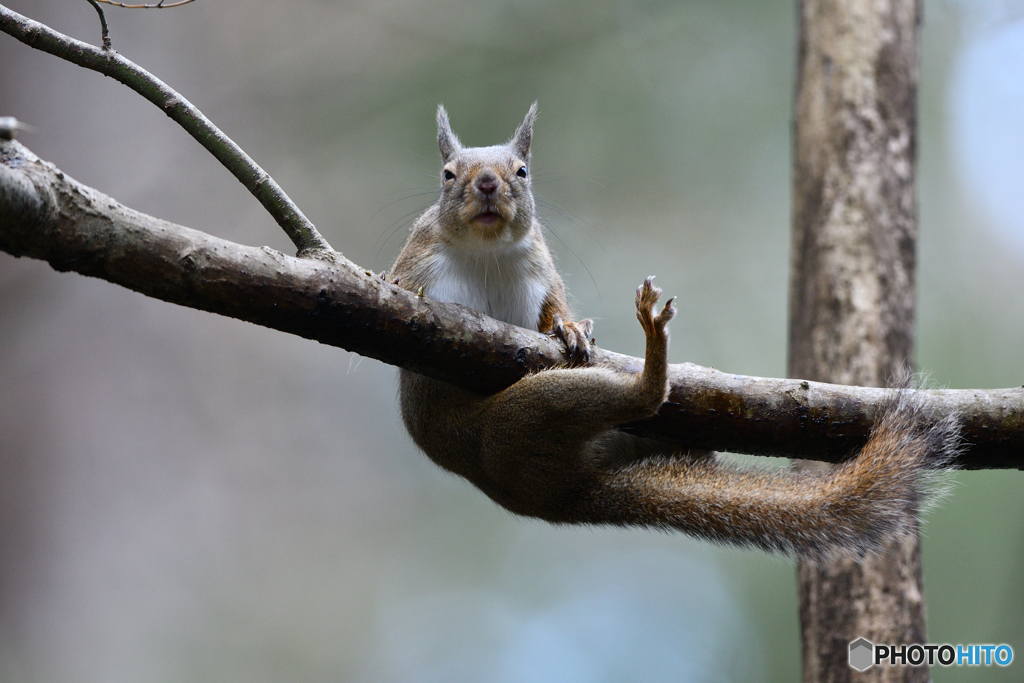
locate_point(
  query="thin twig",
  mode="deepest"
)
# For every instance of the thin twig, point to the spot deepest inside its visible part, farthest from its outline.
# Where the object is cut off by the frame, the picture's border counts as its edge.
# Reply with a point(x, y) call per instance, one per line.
point(103, 25)
point(299, 229)
point(159, 5)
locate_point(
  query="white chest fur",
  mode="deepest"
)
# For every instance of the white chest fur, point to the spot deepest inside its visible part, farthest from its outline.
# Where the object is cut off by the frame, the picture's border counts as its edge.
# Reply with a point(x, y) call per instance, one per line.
point(504, 284)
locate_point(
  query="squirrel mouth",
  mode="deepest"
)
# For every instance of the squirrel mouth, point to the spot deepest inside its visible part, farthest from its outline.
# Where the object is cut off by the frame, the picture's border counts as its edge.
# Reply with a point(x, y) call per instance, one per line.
point(488, 217)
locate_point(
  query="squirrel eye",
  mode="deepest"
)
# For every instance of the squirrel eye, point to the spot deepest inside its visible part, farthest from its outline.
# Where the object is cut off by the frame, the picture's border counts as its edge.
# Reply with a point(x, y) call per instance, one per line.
point(521, 172)
point(448, 175)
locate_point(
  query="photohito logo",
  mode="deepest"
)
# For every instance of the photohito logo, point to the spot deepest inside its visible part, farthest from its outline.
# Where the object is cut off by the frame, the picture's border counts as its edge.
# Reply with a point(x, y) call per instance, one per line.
point(864, 654)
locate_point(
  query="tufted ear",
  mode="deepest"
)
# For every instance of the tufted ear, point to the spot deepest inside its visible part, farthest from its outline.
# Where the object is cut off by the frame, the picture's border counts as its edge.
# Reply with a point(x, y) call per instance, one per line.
point(446, 140)
point(520, 142)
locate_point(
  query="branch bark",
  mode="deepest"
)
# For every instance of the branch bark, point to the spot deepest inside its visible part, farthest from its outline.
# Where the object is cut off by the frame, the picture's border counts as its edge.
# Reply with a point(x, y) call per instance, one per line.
point(46, 215)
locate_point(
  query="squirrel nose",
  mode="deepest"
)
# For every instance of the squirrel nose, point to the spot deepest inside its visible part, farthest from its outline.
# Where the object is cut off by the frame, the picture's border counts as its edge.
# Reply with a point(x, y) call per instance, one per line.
point(487, 184)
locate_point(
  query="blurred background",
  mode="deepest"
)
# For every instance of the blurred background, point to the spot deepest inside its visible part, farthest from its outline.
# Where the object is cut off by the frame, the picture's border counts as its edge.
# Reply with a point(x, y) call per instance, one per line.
point(185, 497)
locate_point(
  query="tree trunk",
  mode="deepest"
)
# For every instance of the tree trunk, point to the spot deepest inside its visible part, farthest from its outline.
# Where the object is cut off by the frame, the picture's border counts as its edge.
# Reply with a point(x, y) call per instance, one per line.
point(852, 286)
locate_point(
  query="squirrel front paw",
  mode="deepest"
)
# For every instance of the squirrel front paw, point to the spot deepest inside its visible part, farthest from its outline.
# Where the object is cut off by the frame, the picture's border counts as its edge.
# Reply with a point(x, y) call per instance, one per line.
point(646, 296)
point(576, 337)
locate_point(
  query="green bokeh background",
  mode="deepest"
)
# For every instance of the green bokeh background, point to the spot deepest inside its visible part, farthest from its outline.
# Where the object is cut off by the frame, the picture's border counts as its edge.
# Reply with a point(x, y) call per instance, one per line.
point(186, 497)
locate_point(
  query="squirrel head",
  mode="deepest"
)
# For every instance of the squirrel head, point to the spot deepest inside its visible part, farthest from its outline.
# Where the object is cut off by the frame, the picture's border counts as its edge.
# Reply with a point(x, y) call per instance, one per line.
point(486, 203)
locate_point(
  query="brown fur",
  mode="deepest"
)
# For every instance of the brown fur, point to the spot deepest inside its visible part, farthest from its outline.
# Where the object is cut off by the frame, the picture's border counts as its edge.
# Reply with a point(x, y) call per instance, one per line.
point(548, 446)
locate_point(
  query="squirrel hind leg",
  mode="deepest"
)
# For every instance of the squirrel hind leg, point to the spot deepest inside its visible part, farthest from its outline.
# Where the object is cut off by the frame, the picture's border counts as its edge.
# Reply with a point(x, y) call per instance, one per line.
point(592, 399)
point(653, 381)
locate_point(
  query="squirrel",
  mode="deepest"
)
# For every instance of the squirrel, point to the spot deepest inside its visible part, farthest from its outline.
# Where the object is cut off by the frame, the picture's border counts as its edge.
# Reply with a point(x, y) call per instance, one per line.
point(548, 446)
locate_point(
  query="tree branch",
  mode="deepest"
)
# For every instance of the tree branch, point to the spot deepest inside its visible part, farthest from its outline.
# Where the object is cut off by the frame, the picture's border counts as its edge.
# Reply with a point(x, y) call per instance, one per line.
point(108, 62)
point(46, 215)
point(159, 5)
point(104, 31)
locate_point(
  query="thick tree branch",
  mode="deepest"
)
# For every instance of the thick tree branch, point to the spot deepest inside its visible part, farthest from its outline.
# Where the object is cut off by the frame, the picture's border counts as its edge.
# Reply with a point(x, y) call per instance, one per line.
point(108, 62)
point(46, 215)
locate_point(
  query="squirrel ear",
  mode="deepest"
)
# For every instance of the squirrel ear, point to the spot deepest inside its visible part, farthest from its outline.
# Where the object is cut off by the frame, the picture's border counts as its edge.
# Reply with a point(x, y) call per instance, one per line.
point(520, 142)
point(446, 140)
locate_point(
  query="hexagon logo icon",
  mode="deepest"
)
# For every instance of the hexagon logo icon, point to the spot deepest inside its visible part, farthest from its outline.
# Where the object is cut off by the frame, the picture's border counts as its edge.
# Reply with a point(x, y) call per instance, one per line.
point(862, 654)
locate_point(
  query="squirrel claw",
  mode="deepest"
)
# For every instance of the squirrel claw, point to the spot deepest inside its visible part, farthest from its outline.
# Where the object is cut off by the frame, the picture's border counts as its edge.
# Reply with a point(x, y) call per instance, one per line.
point(668, 311)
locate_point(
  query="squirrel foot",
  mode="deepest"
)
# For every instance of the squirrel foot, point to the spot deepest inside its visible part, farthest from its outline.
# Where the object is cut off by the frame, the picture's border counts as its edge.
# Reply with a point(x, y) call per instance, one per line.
point(646, 296)
point(575, 336)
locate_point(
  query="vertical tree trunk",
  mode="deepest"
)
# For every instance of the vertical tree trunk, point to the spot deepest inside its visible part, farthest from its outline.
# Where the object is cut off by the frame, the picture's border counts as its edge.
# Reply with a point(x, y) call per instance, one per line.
point(852, 284)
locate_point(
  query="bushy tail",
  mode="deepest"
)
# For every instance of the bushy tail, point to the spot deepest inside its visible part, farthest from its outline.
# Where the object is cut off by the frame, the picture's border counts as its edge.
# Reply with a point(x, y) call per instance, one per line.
point(851, 509)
